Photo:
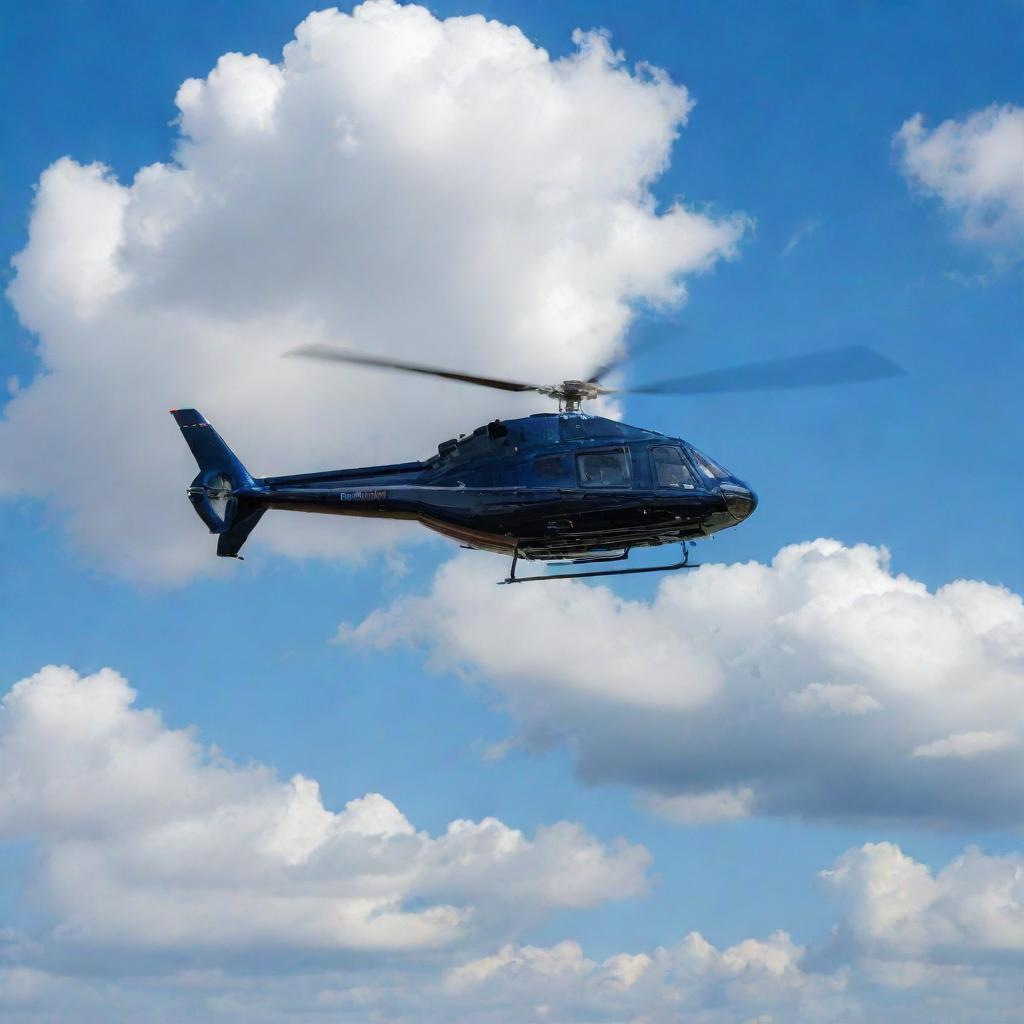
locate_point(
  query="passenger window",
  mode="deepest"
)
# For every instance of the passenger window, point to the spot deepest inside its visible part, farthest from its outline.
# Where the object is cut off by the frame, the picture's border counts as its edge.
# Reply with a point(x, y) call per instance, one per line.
point(671, 469)
point(553, 471)
point(603, 469)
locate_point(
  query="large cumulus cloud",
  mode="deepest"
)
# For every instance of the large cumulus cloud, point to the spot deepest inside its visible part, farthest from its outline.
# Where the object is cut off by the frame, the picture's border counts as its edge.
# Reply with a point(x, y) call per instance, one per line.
point(434, 189)
point(823, 685)
point(148, 841)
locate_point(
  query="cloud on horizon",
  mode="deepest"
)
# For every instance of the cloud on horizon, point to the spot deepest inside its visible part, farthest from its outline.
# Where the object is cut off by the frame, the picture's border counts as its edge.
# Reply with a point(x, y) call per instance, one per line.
point(152, 850)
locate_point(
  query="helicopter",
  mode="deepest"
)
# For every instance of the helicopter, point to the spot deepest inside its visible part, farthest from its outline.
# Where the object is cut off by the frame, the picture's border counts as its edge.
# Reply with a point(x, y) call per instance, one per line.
point(563, 487)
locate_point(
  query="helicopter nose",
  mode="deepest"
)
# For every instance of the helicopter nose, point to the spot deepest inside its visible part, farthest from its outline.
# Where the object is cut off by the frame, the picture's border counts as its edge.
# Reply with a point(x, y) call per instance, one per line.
point(740, 500)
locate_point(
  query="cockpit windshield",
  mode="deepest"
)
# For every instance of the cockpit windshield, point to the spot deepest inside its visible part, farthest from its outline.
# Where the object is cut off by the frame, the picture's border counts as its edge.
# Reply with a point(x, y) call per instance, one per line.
point(708, 467)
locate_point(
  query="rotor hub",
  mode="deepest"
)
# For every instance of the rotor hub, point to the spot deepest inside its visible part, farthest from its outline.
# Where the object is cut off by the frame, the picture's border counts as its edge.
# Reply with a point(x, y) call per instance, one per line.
point(571, 393)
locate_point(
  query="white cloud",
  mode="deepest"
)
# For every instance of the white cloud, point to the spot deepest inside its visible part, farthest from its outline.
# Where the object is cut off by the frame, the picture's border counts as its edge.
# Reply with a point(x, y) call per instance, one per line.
point(975, 167)
point(831, 699)
point(897, 909)
point(702, 808)
point(965, 745)
point(434, 189)
point(692, 975)
point(712, 689)
point(909, 944)
point(166, 878)
point(551, 964)
point(149, 842)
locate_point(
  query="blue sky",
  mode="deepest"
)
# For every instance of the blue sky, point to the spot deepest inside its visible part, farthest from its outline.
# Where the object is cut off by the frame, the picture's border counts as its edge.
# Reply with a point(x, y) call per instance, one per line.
point(796, 111)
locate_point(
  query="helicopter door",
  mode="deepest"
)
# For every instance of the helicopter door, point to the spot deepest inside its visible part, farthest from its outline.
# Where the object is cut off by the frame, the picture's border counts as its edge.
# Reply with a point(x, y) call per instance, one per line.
point(671, 470)
point(553, 471)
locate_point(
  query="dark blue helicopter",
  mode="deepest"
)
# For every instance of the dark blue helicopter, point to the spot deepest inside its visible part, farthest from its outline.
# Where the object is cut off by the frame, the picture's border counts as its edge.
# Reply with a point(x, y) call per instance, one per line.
point(563, 487)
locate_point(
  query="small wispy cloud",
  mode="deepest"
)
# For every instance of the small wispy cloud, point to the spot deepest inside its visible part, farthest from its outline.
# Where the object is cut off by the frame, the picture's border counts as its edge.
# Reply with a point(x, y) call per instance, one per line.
point(831, 699)
point(968, 280)
point(966, 745)
point(805, 230)
point(499, 751)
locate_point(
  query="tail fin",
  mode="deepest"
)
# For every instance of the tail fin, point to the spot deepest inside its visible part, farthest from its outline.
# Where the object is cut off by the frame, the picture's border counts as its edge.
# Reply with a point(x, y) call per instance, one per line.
point(221, 493)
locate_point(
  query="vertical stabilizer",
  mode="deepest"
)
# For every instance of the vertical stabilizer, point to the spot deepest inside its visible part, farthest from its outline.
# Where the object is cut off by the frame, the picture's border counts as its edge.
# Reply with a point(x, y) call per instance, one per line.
point(223, 492)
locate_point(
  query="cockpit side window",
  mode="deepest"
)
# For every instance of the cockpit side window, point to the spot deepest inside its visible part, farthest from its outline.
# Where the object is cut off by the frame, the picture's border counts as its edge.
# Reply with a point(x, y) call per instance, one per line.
point(671, 468)
point(603, 469)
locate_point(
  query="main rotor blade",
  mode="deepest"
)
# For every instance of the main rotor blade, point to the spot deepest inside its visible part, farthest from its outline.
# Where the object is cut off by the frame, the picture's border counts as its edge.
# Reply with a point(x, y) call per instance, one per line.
point(340, 355)
point(817, 369)
point(656, 332)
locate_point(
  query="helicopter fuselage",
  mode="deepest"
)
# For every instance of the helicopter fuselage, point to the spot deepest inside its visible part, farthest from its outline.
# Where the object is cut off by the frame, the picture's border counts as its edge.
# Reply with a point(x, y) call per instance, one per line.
point(548, 486)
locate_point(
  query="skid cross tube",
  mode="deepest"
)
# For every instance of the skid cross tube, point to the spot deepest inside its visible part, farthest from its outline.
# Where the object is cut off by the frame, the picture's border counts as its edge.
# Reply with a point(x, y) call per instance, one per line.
point(685, 563)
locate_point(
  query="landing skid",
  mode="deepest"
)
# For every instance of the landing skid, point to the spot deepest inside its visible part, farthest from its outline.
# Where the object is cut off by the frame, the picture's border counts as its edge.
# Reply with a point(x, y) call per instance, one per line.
point(685, 563)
